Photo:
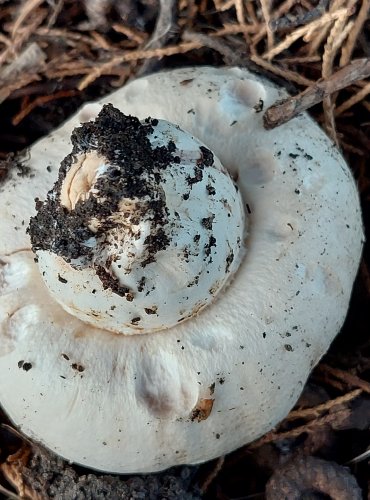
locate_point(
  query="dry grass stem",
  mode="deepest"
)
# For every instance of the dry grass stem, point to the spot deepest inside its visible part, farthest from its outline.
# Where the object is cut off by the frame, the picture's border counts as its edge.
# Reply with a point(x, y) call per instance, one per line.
point(281, 72)
point(101, 41)
point(105, 68)
point(134, 35)
point(287, 109)
point(223, 6)
point(24, 69)
point(230, 57)
point(327, 406)
point(348, 378)
point(356, 98)
point(284, 21)
point(301, 32)
point(239, 9)
point(278, 12)
point(358, 25)
point(39, 101)
point(234, 29)
point(265, 8)
point(9, 494)
point(24, 12)
point(56, 10)
point(334, 418)
point(299, 60)
point(204, 487)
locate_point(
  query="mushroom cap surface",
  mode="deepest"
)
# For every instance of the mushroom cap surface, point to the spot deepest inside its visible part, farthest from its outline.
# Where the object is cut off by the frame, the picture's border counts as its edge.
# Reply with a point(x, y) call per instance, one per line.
point(132, 236)
point(142, 403)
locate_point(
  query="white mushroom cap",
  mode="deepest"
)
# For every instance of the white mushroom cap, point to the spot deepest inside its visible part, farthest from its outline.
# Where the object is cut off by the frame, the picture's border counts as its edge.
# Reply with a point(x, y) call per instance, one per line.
point(132, 237)
point(206, 386)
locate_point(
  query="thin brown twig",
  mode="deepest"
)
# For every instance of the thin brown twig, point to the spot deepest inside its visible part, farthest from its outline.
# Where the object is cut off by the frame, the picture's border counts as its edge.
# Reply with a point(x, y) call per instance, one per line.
point(25, 11)
point(328, 405)
point(234, 29)
point(132, 34)
point(348, 378)
point(204, 487)
point(24, 68)
point(324, 379)
point(279, 11)
point(285, 110)
point(284, 22)
point(102, 41)
point(265, 8)
point(283, 73)
point(39, 101)
point(330, 51)
point(67, 36)
point(136, 55)
point(356, 98)
point(164, 29)
point(299, 59)
point(230, 57)
point(355, 32)
point(222, 7)
point(365, 274)
point(24, 34)
point(301, 32)
point(57, 9)
point(331, 418)
point(317, 36)
point(251, 12)
point(9, 494)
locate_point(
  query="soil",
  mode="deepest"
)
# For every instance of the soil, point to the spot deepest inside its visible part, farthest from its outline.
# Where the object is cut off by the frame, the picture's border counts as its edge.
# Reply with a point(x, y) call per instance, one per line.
point(56, 55)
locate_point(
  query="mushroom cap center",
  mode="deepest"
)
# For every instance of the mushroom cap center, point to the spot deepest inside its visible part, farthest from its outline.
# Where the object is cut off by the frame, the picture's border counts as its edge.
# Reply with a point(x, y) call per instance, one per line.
point(143, 227)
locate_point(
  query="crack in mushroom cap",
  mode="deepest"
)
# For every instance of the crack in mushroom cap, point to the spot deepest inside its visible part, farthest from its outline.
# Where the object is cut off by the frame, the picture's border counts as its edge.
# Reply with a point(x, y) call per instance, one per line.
point(132, 236)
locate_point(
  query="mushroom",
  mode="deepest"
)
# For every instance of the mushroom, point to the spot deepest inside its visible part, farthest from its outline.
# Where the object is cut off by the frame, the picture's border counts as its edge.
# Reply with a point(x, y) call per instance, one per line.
point(180, 279)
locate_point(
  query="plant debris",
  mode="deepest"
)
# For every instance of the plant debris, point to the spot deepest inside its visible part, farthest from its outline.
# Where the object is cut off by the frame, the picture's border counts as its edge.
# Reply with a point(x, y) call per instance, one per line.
point(55, 55)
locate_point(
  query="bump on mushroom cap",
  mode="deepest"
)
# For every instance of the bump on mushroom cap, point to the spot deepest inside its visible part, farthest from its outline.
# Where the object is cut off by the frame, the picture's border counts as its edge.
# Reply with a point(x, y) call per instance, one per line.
point(132, 236)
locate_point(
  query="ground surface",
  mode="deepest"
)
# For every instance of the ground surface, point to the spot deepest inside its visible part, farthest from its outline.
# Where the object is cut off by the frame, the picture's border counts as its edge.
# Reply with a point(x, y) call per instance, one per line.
point(56, 54)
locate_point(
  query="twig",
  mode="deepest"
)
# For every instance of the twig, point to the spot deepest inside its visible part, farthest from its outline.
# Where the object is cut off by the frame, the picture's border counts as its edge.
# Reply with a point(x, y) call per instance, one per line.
point(39, 101)
point(309, 16)
point(350, 379)
point(358, 97)
point(285, 110)
point(330, 50)
point(221, 7)
point(317, 36)
point(230, 56)
point(265, 8)
point(240, 17)
point(301, 32)
point(279, 11)
point(355, 32)
point(9, 494)
point(204, 487)
point(26, 9)
point(132, 34)
point(58, 6)
point(331, 418)
point(136, 55)
point(164, 29)
point(283, 73)
point(23, 70)
point(234, 29)
point(364, 270)
point(328, 405)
